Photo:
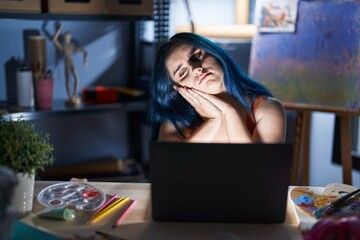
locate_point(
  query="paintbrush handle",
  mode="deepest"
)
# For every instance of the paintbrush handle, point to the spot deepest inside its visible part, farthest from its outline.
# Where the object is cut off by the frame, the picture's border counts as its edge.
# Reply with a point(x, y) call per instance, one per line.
point(321, 211)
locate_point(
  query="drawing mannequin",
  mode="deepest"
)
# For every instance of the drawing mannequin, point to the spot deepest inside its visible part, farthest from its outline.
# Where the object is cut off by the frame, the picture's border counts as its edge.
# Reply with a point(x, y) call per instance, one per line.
point(69, 48)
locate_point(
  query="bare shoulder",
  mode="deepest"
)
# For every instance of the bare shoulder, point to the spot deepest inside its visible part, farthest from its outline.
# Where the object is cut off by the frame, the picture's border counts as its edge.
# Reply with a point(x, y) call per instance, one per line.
point(271, 121)
point(269, 103)
point(168, 132)
point(270, 106)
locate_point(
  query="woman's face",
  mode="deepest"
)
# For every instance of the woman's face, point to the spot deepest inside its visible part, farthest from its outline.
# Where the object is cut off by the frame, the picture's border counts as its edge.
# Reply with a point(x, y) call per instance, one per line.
point(194, 68)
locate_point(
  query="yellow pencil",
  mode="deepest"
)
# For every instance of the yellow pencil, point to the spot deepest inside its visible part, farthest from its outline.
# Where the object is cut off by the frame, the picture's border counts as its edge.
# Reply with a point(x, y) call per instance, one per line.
point(108, 209)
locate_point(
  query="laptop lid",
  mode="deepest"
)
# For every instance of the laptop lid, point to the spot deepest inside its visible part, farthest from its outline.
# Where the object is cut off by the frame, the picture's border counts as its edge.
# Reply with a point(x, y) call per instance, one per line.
point(214, 182)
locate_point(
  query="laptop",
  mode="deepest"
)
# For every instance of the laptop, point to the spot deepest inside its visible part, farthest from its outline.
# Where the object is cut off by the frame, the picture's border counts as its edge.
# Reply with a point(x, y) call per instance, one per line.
point(216, 182)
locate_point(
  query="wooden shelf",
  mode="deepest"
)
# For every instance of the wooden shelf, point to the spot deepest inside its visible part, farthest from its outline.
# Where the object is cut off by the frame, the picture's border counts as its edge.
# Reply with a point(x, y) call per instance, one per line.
point(59, 109)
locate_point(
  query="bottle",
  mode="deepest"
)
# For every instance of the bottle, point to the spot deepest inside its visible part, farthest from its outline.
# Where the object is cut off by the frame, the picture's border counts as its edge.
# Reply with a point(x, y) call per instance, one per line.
point(25, 87)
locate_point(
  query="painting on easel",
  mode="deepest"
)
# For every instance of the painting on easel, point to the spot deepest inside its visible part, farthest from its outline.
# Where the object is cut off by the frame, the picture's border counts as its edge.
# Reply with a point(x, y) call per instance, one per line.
point(319, 63)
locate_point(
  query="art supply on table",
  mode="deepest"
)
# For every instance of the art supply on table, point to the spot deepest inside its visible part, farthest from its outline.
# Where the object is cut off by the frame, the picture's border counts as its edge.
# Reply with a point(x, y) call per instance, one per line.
point(108, 209)
point(82, 196)
point(109, 236)
point(324, 210)
point(104, 205)
point(123, 211)
point(57, 213)
point(329, 202)
point(309, 200)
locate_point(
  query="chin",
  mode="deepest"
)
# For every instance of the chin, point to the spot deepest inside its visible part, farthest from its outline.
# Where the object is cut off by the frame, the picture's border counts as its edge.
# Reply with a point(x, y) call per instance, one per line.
point(214, 89)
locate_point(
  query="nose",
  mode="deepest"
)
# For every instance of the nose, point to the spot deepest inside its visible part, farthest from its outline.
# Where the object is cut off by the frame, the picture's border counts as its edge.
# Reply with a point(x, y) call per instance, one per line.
point(198, 71)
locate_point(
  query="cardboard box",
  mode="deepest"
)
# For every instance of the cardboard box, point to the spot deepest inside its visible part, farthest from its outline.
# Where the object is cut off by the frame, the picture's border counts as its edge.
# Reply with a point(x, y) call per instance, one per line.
point(130, 7)
point(27, 6)
point(77, 7)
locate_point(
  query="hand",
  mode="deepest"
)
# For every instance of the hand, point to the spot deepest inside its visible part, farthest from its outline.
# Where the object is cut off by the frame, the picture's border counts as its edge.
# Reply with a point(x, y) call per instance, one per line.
point(203, 103)
point(220, 103)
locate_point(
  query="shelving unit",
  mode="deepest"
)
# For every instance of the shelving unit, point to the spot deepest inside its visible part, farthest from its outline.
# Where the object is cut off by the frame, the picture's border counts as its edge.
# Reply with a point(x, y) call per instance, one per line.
point(134, 109)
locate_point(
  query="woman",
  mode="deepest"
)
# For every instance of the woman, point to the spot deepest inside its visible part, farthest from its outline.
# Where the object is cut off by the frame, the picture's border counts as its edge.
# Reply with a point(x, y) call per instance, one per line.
point(200, 94)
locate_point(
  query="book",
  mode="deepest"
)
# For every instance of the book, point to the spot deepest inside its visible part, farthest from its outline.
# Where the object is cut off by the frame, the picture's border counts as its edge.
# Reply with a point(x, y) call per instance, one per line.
point(23, 231)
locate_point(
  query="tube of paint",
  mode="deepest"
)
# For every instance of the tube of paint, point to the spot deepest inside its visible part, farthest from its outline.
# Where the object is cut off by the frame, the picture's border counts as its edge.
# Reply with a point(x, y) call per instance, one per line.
point(58, 213)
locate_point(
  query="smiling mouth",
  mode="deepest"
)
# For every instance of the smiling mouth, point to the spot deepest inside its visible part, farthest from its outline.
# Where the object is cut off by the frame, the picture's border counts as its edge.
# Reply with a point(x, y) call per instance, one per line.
point(203, 76)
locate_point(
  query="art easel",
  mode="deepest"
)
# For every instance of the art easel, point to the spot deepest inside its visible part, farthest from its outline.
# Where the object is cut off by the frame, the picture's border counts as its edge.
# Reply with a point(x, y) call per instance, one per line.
point(300, 175)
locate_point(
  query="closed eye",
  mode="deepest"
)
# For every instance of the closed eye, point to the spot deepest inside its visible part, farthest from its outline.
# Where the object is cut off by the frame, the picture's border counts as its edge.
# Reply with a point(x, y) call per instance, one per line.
point(183, 73)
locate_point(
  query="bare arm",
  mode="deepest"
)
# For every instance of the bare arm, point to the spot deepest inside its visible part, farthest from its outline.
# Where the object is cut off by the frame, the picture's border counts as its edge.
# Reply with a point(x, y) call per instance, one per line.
point(271, 122)
point(80, 49)
point(207, 132)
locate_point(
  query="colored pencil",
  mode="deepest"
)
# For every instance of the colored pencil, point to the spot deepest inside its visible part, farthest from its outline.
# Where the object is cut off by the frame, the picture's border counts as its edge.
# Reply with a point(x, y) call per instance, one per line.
point(104, 205)
point(108, 209)
point(124, 210)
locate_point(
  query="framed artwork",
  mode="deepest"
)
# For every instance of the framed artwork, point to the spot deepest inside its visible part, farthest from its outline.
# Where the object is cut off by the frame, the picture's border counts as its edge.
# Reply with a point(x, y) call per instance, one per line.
point(276, 16)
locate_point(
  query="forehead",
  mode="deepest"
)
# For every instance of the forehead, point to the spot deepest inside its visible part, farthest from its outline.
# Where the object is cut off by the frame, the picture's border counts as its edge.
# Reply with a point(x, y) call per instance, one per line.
point(178, 53)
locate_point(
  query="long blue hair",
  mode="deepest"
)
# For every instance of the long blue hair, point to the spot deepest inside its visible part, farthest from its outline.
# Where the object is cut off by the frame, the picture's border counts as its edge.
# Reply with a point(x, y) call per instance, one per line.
point(167, 105)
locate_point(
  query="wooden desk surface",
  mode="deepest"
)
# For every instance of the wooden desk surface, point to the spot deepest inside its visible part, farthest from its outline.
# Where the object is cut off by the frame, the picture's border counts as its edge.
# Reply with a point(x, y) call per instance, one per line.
point(138, 223)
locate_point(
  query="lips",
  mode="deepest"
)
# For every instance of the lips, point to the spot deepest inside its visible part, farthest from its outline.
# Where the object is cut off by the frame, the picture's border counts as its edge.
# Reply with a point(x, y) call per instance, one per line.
point(203, 76)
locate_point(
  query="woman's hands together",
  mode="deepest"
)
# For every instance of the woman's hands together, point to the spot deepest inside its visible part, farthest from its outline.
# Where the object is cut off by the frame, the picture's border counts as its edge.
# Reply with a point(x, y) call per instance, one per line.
point(206, 105)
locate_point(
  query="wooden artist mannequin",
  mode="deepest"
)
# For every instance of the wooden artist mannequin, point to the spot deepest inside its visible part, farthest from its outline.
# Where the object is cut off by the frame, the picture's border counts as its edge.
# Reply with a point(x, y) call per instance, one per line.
point(68, 49)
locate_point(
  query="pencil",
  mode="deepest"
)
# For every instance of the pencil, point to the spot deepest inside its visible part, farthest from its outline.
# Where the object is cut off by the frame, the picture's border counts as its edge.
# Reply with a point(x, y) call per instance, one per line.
point(104, 205)
point(124, 210)
point(108, 209)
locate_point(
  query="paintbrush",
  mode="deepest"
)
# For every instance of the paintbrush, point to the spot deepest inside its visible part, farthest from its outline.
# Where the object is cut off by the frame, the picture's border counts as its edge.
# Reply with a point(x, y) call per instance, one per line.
point(321, 211)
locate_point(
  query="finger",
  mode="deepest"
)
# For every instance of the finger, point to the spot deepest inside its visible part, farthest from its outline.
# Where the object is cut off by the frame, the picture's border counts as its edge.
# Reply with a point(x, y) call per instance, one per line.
point(221, 104)
point(189, 97)
point(197, 98)
point(199, 103)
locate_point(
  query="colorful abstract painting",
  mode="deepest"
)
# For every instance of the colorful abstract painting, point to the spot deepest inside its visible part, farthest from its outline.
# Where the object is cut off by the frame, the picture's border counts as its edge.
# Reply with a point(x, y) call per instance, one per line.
point(318, 64)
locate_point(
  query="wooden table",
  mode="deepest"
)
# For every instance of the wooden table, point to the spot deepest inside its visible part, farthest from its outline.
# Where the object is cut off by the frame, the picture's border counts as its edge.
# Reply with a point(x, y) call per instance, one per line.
point(138, 223)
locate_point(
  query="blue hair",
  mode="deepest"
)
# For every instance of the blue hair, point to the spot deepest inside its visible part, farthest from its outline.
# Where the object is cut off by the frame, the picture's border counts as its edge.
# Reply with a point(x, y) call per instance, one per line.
point(167, 105)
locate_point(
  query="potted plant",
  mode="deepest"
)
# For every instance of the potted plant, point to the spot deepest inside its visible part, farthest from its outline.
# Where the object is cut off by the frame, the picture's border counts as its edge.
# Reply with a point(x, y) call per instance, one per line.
point(25, 150)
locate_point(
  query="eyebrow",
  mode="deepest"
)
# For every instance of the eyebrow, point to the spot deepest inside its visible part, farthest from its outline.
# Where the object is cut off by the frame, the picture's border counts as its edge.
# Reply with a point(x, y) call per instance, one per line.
point(189, 55)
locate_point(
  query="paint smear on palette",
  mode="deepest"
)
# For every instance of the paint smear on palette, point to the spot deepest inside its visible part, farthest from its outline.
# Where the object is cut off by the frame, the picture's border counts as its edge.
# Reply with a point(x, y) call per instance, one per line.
point(309, 200)
point(346, 209)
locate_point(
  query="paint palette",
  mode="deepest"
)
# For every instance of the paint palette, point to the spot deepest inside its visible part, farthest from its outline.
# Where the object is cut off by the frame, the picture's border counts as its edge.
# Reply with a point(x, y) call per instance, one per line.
point(82, 196)
point(309, 200)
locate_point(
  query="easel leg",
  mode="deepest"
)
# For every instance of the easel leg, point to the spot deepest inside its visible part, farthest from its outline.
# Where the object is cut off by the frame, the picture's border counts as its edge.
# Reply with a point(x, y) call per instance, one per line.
point(305, 149)
point(300, 174)
point(346, 159)
point(296, 169)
